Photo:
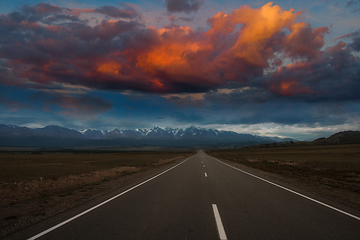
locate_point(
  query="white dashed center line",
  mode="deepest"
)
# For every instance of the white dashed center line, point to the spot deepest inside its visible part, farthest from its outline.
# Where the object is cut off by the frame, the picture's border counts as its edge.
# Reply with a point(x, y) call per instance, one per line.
point(205, 174)
point(219, 224)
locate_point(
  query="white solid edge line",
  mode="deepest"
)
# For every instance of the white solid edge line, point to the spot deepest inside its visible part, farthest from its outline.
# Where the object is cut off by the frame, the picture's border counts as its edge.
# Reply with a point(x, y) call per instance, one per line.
point(219, 224)
point(299, 194)
point(100, 204)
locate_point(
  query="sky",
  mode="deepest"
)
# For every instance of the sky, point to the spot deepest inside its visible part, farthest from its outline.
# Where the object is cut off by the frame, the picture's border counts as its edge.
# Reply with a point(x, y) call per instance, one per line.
point(283, 68)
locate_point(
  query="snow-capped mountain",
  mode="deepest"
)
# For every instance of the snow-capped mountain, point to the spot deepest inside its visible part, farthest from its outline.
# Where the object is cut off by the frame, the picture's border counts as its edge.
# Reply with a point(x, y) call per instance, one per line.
point(92, 133)
point(55, 136)
point(166, 133)
point(157, 132)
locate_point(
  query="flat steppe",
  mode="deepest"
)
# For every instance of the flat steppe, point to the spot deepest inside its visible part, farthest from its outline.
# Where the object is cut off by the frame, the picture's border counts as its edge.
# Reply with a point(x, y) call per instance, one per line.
point(37, 185)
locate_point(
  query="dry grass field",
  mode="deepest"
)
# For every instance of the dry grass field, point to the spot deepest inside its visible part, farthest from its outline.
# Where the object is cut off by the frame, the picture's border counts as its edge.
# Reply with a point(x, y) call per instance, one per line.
point(331, 170)
point(36, 186)
point(47, 165)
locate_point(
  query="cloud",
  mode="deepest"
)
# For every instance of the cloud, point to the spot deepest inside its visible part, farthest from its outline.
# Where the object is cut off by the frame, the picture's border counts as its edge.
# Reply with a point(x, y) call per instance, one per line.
point(10, 104)
point(52, 14)
point(331, 76)
point(186, 6)
point(194, 99)
point(82, 107)
point(239, 96)
point(267, 49)
point(128, 12)
point(305, 42)
point(355, 37)
point(351, 3)
point(173, 20)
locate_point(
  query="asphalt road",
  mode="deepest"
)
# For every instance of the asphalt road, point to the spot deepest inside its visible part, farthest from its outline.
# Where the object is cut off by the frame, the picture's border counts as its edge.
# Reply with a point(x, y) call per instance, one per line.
point(179, 204)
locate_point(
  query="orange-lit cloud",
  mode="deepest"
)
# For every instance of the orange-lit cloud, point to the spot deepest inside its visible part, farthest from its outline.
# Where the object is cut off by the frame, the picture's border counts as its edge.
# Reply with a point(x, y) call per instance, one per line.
point(289, 88)
point(180, 54)
point(287, 80)
point(109, 68)
point(177, 57)
point(157, 83)
point(122, 54)
point(257, 27)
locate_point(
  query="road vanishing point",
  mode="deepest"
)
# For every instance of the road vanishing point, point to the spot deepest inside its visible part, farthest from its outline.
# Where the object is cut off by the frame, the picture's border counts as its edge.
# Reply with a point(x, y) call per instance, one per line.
point(201, 198)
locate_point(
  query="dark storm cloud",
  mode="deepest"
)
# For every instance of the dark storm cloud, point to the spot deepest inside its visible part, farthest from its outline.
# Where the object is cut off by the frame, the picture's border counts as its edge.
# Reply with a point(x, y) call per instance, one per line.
point(355, 37)
point(127, 12)
point(46, 46)
point(48, 14)
point(355, 45)
point(186, 6)
point(332, 76)
point(239, 96)
point(42, 12)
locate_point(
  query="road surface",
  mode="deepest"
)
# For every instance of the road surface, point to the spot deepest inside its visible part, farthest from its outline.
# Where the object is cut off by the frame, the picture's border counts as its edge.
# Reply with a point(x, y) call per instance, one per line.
point(201, 198)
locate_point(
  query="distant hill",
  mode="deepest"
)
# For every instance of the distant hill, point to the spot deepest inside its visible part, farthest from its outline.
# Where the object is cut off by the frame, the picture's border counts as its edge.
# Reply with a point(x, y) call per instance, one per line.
point(192, 137)
point(347, 137)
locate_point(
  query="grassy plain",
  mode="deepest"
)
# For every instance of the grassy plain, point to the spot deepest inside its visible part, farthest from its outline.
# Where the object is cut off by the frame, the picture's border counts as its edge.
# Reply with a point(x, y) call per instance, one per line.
point(26, 166)
point(333, 170)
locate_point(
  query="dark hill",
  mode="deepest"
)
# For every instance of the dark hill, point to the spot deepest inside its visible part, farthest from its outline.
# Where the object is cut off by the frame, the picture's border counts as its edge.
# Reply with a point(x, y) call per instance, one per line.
point(346, 137)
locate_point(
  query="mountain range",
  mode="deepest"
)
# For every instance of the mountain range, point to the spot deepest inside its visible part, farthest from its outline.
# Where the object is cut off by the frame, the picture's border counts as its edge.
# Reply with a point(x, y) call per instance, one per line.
point(192, 137)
